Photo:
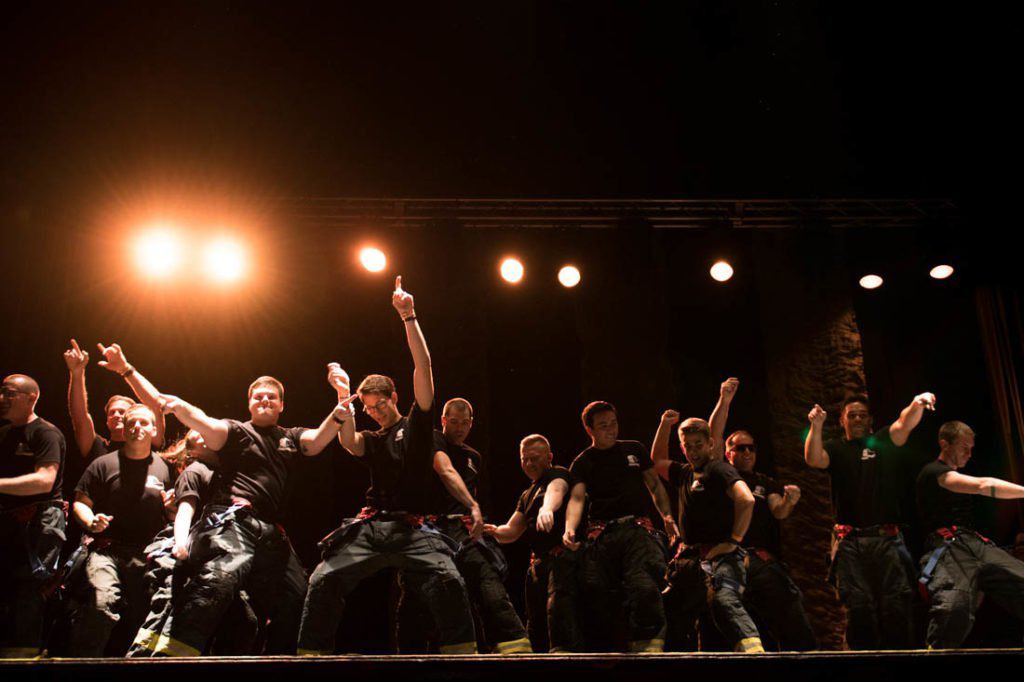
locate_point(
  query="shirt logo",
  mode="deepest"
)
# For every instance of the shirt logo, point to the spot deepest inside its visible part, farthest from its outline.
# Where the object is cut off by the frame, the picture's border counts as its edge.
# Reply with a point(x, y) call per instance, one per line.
point(154, 482)
point(400, 435)
point(286, 445)
point(23, 450)
point(697, 486)
point(632, 460)
point(472, 467)
point(867, 453)
point(758, 491)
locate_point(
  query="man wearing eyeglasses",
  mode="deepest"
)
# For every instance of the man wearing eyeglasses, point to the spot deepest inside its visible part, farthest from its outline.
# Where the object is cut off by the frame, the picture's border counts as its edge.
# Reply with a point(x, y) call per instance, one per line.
point(389, 531)
point(31, 514)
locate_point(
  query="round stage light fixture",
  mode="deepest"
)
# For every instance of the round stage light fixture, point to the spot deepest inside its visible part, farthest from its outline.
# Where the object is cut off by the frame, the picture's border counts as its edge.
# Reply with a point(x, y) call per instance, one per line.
point(941, 271)
point(512, 270)
point(871, 281)
point(158, 252)
point(225, 260)
point(373, 259)
point(569, 276)
point(721, 271)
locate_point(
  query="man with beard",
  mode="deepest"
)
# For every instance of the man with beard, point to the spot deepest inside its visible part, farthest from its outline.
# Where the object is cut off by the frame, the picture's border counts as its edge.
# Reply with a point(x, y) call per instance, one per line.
point(870, 563)
point(960, 563)
point(551, 582)
point(715, 507)
point(389, 532)
point(122, 501)
point(31, 514)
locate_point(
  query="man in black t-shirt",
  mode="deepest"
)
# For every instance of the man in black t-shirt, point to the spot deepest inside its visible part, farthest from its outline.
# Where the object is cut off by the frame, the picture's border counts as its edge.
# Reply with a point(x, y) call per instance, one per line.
point(551, 582)
point(456, 513)
point(623, 548)
point(715, 507)
point(959, 563)
point(32, 454)
point(871, 565)
point(241, 543)
point(122, 500)
point(389, 532)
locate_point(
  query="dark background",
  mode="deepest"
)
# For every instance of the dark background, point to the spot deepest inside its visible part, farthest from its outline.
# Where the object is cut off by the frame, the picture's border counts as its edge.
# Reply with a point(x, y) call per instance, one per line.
point(208, 113)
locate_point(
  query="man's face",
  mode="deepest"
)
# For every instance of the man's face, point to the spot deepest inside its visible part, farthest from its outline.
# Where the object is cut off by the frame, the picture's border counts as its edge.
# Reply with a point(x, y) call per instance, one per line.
point(696, 448)
point(115, 415)
point(380, 408)
point(958, 453)
point(605, 429)
point(265, 405)
point(856, 421)
point(456, 425)
point(14, 403)
point(742, 453)
point(139, 427)
point(535, 459)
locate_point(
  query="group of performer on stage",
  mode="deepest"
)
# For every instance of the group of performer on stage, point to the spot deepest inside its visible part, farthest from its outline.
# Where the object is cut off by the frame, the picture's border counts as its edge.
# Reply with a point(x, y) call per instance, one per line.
point(184, 547)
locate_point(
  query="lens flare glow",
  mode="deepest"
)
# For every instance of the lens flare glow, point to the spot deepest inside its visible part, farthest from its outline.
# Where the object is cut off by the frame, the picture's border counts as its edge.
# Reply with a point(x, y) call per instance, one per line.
point(158, 252)
point(871, 281)
point(512, 270)
point(373, 259)
point(941, 271)
point(721, 271)
point(569, 276)
point(225, 260)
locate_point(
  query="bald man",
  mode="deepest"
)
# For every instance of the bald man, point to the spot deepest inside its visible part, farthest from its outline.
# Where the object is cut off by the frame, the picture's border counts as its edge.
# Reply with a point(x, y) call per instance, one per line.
point(31, 514)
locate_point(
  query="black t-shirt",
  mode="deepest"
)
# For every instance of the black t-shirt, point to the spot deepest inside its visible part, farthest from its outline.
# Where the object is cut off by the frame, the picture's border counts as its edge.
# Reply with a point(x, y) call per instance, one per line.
point(401, 463)
point(101, 446)
point(532, 500)
point(196, 481)
point(256, 463)
point(941, 508)
point(705, 509)
point(466, 462)
point(130, 491)
point(867, 480)
point(25, 448)
point(764, 528)
point(614, 480)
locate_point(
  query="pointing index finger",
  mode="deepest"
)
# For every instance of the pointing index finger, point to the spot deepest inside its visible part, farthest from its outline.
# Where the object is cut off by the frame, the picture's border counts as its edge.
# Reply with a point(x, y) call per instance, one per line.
point(398, 283)
point(74, 344)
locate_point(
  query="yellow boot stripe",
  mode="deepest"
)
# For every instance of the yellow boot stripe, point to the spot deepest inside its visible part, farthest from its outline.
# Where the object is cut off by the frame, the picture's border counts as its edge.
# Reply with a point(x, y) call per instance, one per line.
point(168, 646)
point(313, 652)
point(647, 646)
point(146, 639)
point(461, 648)
point(750, 645)
point(19, 652)
point(515, 646)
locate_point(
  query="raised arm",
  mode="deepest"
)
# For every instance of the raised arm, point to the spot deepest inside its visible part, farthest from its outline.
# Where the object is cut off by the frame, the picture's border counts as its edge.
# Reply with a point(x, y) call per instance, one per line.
point(573, 514)
point(781, 506)
point(78, 400)
point(115, 361)
point(510, 531)
point(659, 447)
point(213, 431)
point(454, 484)
point(313, 441)
point(910, 417)
point(661, 501)
point(349, 438)
point(422, 375)
point(720, 415)
point(981, 485)
point(814, 448)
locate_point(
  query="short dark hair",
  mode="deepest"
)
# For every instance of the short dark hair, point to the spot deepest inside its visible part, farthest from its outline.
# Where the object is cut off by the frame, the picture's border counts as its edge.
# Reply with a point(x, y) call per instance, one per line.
point(851, 399)
point(695, 425)
point(377, 383)
point(533, 439)
point(115, 398)
point(593, 409)
point(953, 431)
point(265, 381)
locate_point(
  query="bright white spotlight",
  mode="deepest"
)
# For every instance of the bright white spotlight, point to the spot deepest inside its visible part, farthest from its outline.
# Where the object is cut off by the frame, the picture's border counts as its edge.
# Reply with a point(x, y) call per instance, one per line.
point(373, 259)
point(511, 270)
point(721, 271)
point(569, 276)
point(871, 281)
point(941, 271)
point(224, 260)
point(158, 252)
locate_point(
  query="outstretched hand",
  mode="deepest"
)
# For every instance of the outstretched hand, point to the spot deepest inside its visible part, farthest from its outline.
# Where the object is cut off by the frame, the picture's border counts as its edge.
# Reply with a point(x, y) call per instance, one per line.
point(75, 358)
point(169, 403)
point(113, 358)
point(817, 415)
point(401, 299)
point(926, 400)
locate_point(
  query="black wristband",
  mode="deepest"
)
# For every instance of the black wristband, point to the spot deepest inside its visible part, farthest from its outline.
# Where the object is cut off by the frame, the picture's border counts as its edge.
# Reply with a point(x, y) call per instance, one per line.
point(733, 541)
point(410, 318)
point(340, 422)
point(128, 372)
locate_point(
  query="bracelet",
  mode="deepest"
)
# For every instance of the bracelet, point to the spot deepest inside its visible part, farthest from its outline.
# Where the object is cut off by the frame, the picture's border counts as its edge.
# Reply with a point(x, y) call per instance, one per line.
point(340, 422)
point(733, 541)
point(128, 372)
point(410, 318)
